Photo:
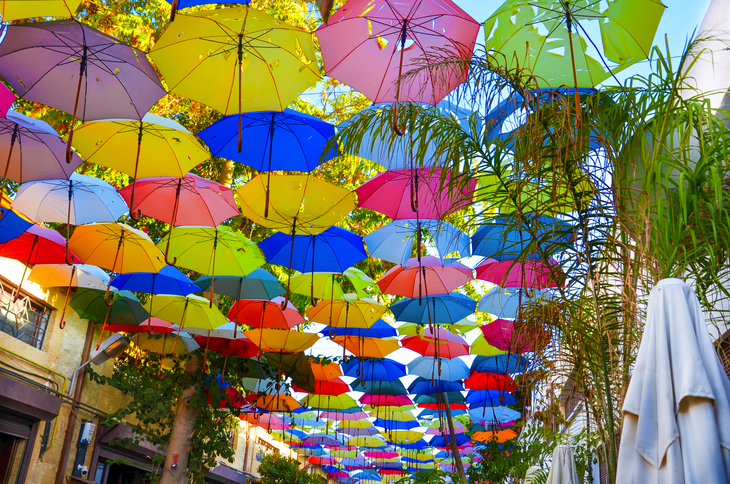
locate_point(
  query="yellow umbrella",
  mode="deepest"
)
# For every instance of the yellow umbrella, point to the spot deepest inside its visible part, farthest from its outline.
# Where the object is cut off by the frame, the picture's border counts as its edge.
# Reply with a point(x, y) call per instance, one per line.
point(402, 436)
point(317, 285)
point(346, 313)
point(355, 424)
point(236, 60)
point(480, 346)
point(281, 341)
point(154, 146)
point(367, 442)
point(329, 402)
point(164, 344)
point(116, 247)
point(15, 10)
point(366, 347)
point(277, 403)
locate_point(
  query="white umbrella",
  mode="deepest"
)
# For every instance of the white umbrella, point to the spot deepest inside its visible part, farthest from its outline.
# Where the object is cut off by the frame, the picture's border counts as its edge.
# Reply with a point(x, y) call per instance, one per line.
point(562, 470)
point(676, 425)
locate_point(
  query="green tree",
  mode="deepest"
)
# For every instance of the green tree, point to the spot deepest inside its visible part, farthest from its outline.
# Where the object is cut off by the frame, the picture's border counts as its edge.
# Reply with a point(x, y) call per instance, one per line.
point(277, 469)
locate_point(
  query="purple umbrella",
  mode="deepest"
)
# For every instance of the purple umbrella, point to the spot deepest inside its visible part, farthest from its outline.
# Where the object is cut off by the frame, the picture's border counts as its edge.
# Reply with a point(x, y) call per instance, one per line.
point(72, 67)
point(34, 151)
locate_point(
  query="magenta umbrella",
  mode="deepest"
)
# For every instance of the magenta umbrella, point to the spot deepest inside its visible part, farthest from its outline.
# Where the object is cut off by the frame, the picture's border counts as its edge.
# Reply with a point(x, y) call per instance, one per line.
point(7, 98)
point(527, 274)
point(500, 334)
point(70, 66)
point(367, 43)
point(392, 192)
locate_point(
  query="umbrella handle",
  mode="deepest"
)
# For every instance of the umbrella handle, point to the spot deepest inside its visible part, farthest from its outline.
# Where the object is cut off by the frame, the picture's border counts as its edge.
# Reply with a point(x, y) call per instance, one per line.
point(399, 130)
point(173, 11)
point(135, 214)
point(62, 323)
point(67, 254)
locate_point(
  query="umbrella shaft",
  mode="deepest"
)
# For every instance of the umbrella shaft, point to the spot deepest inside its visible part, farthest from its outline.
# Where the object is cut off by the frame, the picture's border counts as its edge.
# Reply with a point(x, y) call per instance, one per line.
point(10, 154)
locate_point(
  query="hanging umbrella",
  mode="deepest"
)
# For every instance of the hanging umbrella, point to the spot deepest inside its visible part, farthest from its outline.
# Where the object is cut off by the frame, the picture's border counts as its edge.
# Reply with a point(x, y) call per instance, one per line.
point(493, 414)
point(359, 313)
point(7, 98)
point(330, 387)
point(168, 280)
point(367, 442)
point(496, 436)
point(324, 440)
point(180, 4)
point(379, 387)
point(481, 347)
point(521, 274)
point(281, 341)
point(394, 242)
point(444, 309)
point(190, 200)
point(504, 364)
point(405, 194)
point(275, 141)
point(12, 225)
point(13, 10)
point(385, 400)
point(379, 329)
point(367, 44)
point(676, 413)
point(149, 326)
point(213, 251)
point(68, 276)
point(79, 200)
point(166, 344)
point(364, 347)
point(489, 398)
point(490, 381)
point(426, 367)
point(34, 150)
point(510, 237)
point(429, 274)
point(317, 285)
point(264, 314)
point(329, 402)
point(505, 303)
point(236, 60)
point(439, 344)
point(125, 308)
point(273, 403)
point(501, 334)
point(374, 369)
point(116, 247)
point(259, 284)
point(422, 386)
point(70, 66)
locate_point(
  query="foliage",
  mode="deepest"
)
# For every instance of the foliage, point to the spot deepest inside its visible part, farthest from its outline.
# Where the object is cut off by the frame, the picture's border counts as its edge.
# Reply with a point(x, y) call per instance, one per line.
point(277, 469)
point(429, 476)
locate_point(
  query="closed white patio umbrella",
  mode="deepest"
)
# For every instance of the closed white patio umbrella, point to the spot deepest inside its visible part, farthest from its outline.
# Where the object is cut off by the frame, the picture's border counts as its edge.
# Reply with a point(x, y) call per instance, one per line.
point(562, 469)
point(677, 409)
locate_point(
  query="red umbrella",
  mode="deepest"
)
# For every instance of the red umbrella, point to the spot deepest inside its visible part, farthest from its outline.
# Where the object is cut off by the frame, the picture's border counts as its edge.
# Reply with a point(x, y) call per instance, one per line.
point(240, 346)
point(442, 406)
point(433, 275)
point(190, 200)
point(264, 314)
point(500, 334)
point(438, 343)
point(490, 381)
point(37, 245)
point(330, 387)
point(412, 193)
point(385, 400)
point(367, 43)
point(527, 274)
point(151, 325)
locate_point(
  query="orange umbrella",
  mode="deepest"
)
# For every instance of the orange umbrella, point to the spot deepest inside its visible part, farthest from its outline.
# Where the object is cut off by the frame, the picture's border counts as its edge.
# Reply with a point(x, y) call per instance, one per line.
point(366, 347)
point(326, 372)
point(281, 341)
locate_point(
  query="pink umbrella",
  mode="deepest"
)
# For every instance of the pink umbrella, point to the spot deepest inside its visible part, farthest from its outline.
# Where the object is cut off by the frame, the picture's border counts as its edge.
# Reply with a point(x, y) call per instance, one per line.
point(500, 334)
point(190, 200)
point(411, 193)
point(431, 275)
point(335, 415)
point(385, 400)
point(527, 274)
point(367, 43)
point(7, 98)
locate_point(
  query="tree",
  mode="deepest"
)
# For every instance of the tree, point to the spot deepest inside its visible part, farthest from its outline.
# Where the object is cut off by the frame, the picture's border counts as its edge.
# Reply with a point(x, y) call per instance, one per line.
point(277, 469)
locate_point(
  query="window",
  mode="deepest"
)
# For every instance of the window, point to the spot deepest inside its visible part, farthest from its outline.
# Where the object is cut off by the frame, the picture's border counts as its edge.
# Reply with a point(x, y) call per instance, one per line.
point(264, 448)
point(24, 318)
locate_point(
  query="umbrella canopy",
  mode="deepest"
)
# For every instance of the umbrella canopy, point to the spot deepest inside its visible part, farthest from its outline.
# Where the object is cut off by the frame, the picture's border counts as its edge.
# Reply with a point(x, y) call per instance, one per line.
point(125, 309)
point(502, 335)
point(79, 200)
point(394, 242)
point(505, 364)
point(481, 347)
point(239, 346)
point(493, 414)
point(116, 247)
point(166, 344)
point(367, 442)
point(34, 150)
point(429, 275)
point(423, 386)
point(507, 237)
point(273, 403)
point(374, 369)
point(276, 340)
point(360, 313)
point(394, 387)
point(12, 10)
point(7, 98)
point(259, 284)
point(390, 193)
point(37, 245)
point(489, 398)
point(505, 303)
point(385, 400)
point(521, 274)
point(364, 347)
point(64, 275)
point(168, 280)
point(12, 225)
point(190, 200)
point(329, 387)
point(379, 329)
point(441, 368)
point(149, 326)
point(180, 4)
point(333, 250)
point(677, 407)
point(445, 309)
point(490, 381)
point(302, 205)
point(264, 314)
point(186, 311)
point(329, 402)
point(367, 45)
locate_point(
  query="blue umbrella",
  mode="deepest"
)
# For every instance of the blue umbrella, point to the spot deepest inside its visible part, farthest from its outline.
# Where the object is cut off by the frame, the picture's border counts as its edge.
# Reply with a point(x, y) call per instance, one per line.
point(423, 386)
point(168, 281)
point(275, 141)
point(505, 303)
point(502, 238)
point(415, 461)
point(379, 329)
point(259, 284)
point(428, 367)
point(12, 225)
point(503, 364)
point(417, 445)
point(432, 412)
point(493, 414)
point(374, 369)
point(396, 424)
point(369, 474)
point(379, 387)
point(333, 250)
point(489, 398)
point(444, 309)
point(437, 397)
point(178, 4)
point(445, 441)
point(394, 242)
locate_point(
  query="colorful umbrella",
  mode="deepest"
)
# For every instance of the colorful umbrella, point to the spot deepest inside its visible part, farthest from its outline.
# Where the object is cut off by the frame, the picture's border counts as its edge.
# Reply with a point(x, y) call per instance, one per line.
point(259, 284)
point(273, 403)
point(481, 347)
point(385, 400)
point(166, 344)
point(379, 387)
point(374, 369)
point(501, 334)
point(264, 314)
point(168, 280)
point(490, 381)
point(450, 369)
point(281, 341)
point(444, 309)
point(332, 387)
point(125, 308)
point(439, 344)
point(505, 364)
point(12, 225)
point(149, 326)
point(493, 414)
point(505, 303)
point(14, 10)
point(394, 242)
point(275, 141)
point(429, 274)
point(329, 402)
point(316, 285)
point(407, 194)
point(489, 398)
point(510, 237)
point(236, 60)
point(365, 347)
point(525, 274)
point(344, 313)
point(180, 4)
point(70, 66)
point(35, 150)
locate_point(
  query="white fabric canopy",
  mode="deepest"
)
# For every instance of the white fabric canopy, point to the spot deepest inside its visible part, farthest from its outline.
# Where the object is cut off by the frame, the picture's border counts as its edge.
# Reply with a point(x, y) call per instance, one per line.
point(562, 470)
point(677, 408)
